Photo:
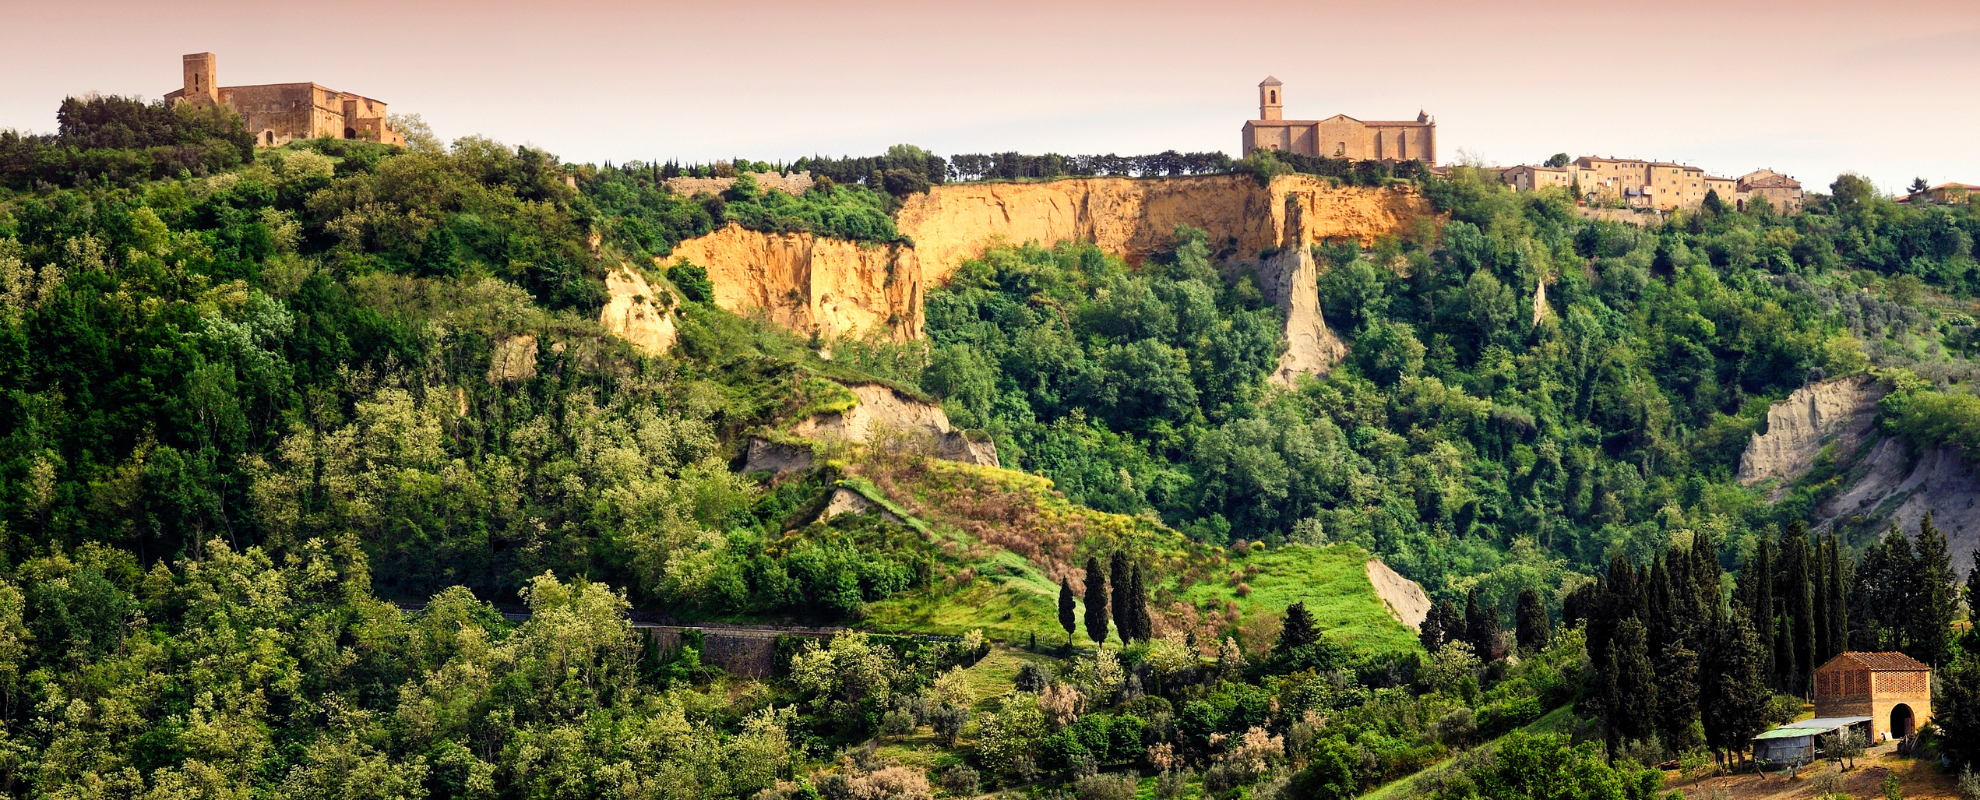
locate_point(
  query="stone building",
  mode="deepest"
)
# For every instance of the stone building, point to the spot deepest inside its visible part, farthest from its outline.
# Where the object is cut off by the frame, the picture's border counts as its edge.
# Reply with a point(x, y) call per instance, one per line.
point(1781, 191)
point(1892, 689)
point(1639, 184)
point(1944, 194)
point(1338, 136)
point(279, 112)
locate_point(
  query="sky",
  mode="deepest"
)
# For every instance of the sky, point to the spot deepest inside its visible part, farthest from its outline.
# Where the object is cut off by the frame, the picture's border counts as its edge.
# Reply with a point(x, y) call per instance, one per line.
point(1810, 88)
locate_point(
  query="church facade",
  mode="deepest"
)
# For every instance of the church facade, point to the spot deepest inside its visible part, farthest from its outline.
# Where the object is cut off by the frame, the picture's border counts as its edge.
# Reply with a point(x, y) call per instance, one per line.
point(1338, 136)
point(279, 112)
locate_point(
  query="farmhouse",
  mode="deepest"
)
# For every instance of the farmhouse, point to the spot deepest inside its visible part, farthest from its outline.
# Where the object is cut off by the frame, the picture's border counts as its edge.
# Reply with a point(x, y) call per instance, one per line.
point(1892, 689)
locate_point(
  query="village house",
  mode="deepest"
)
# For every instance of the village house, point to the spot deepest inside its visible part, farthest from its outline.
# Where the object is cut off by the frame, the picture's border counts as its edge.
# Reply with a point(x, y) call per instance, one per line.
point(1892, 689)
point(1654, 185)
point(1944, 194)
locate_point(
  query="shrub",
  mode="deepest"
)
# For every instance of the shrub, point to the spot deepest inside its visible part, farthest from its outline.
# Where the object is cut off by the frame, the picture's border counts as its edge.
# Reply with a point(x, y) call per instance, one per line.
point(1105, 787)
point(960, 781)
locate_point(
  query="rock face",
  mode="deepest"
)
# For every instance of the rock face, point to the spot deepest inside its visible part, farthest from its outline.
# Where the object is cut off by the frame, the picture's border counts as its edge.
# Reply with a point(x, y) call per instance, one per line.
point(1135, 217)
point(1841, 411)
point(514, 359)
point(764, 455)
point(835, 287)
point(882, 412)
point(811, 284)
point(1404, 597)
point(1883, 480)
point(634, 314)
point(847, 501)
point(1291, 279)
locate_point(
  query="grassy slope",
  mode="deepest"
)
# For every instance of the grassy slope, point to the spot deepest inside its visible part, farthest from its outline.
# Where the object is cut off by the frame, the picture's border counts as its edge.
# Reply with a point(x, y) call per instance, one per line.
point(1560, 720)
point(1332, 581)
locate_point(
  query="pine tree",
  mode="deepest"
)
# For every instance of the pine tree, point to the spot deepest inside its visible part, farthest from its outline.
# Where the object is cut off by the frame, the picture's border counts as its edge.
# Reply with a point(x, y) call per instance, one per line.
point(1096, 602)
point(1119, 583)
point(1066, 604)
point(1935, 605)
point(1298, 629)
point(1534, 627)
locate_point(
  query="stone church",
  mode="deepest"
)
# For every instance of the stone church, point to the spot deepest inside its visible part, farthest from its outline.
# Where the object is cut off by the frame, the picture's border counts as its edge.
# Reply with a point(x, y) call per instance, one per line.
point(1338, 136)
point(279, 112)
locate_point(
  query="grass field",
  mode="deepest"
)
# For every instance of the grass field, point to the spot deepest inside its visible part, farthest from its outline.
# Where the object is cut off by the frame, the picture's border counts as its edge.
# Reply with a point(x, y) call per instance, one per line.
point(1332, 581)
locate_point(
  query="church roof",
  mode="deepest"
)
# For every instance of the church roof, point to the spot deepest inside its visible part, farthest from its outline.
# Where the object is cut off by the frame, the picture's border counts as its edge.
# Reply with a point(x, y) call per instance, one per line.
point(1270, 81)
point(1879, 662)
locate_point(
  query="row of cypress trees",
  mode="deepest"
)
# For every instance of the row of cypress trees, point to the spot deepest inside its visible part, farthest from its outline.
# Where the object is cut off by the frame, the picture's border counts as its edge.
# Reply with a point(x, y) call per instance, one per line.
point(1124, 596)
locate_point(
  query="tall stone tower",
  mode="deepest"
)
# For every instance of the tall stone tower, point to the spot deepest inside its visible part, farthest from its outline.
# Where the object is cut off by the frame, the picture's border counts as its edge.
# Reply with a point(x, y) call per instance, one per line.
point(201, 90)
point(1271, 101)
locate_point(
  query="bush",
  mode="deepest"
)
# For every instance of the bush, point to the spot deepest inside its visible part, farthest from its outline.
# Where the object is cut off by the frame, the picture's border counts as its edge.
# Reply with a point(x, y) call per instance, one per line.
point(960, 781)
point(1105, 787)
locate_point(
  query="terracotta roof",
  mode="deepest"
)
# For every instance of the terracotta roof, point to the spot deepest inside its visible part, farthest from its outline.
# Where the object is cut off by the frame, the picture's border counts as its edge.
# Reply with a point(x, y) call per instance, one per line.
point(1882, 662)
point(1270, 81)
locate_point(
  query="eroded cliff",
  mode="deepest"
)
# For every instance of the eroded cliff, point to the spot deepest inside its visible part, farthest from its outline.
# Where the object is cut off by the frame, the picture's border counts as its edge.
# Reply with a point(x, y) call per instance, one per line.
point(837, 288)
point(812, 284)
point(635, 313)
point(880, 412)
point(1839, 412)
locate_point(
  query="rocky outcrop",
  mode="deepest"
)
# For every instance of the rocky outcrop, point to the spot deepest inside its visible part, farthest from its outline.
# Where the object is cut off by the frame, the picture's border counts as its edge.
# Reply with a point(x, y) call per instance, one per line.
point(513, 359)
point(636, 314)
point(1881, 480)
point(1291, 279)
point(765, 455)
point(847, 501)
point(883, 416)
point(1840, 412)
point(811, 284)
point(1404, 597)
point(835, 287)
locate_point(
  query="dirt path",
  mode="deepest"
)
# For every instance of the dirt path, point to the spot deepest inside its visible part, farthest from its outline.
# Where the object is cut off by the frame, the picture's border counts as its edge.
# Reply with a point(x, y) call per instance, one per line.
point(1919, 779)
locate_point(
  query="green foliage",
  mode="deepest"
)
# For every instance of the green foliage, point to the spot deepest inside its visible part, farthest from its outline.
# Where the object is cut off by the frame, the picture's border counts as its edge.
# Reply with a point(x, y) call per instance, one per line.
point(1545, 767)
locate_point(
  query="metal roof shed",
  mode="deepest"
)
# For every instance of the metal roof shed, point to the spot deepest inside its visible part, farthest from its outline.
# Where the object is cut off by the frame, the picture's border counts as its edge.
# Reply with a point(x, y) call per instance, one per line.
point(1795, 743)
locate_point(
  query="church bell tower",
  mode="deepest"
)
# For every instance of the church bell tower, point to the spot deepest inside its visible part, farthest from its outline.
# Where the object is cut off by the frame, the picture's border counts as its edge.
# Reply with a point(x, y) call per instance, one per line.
point(1270, 99)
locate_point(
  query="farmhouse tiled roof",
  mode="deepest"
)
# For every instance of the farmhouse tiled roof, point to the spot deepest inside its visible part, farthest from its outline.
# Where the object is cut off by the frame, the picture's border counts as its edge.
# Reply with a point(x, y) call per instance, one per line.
point(1882, 662)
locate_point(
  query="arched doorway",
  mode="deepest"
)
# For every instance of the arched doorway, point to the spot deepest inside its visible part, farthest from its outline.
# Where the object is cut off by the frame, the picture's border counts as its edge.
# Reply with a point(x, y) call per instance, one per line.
point(350, 133)
point(1901, 721)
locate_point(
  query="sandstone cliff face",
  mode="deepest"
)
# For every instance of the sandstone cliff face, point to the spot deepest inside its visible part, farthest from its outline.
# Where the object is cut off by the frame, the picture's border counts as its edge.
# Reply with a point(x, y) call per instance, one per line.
point(882, 412)
point(634, 314)
point(1134, 217)
point(1840, 411)
point(807, 283)
point(839, 288)
point(1404, 597)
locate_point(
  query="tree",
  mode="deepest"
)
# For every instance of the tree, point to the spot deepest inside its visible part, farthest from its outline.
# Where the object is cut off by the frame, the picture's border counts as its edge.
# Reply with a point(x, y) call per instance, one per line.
point(1481, 627)
point(1735, 701)
point(1677, 697)
point(1973, 588)
point(1119, 583)
point(1534, 626)
point(1298, 629)
point(1956, 711)
point(1066, 619)
point(1838, 600)
point(1629, 687)
point(1931, 612)
point(1558, 160)
point(1096, 601)
point(1918, 188)
point(1444, 623)
point(1144, 625)
point(1760, 605)
point(1797, 664)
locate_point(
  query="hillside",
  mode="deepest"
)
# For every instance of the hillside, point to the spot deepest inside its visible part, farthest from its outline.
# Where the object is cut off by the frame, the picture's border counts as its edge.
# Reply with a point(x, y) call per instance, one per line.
point(286, 432)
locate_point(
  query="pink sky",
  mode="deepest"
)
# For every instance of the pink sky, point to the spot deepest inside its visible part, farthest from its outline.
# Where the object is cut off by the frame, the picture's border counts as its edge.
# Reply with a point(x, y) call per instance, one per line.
point(1810, 88)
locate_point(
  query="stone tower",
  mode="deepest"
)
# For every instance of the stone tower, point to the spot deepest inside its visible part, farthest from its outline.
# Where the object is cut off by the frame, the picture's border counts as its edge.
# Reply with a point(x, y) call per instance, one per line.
point(200, 88)
point(1271, 99)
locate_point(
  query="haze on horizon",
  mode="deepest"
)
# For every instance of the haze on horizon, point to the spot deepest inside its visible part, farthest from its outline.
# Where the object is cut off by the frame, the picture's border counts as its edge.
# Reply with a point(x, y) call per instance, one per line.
point(1808, 88)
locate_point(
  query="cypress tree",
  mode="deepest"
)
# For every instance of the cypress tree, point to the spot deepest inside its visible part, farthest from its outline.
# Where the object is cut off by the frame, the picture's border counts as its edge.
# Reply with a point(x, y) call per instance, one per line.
point(1066, 619)
point(1119, 584)
point(1629, 707)
point(1677, 697)
point(1481, 627)
point(1932, 613)
point(1534, 628)
point(1144, 626)
point(1838, 600)
point(1973, 588)
point(1445, 623)
point(1735, 697)
point(1819, 584)
point(1096, 602)
point(1710, 580)
point(1797, 611)
point(1762, 608)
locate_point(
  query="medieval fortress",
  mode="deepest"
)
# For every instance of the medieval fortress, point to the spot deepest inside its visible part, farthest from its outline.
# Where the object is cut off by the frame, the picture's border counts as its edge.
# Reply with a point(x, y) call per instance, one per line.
point(277, 113)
